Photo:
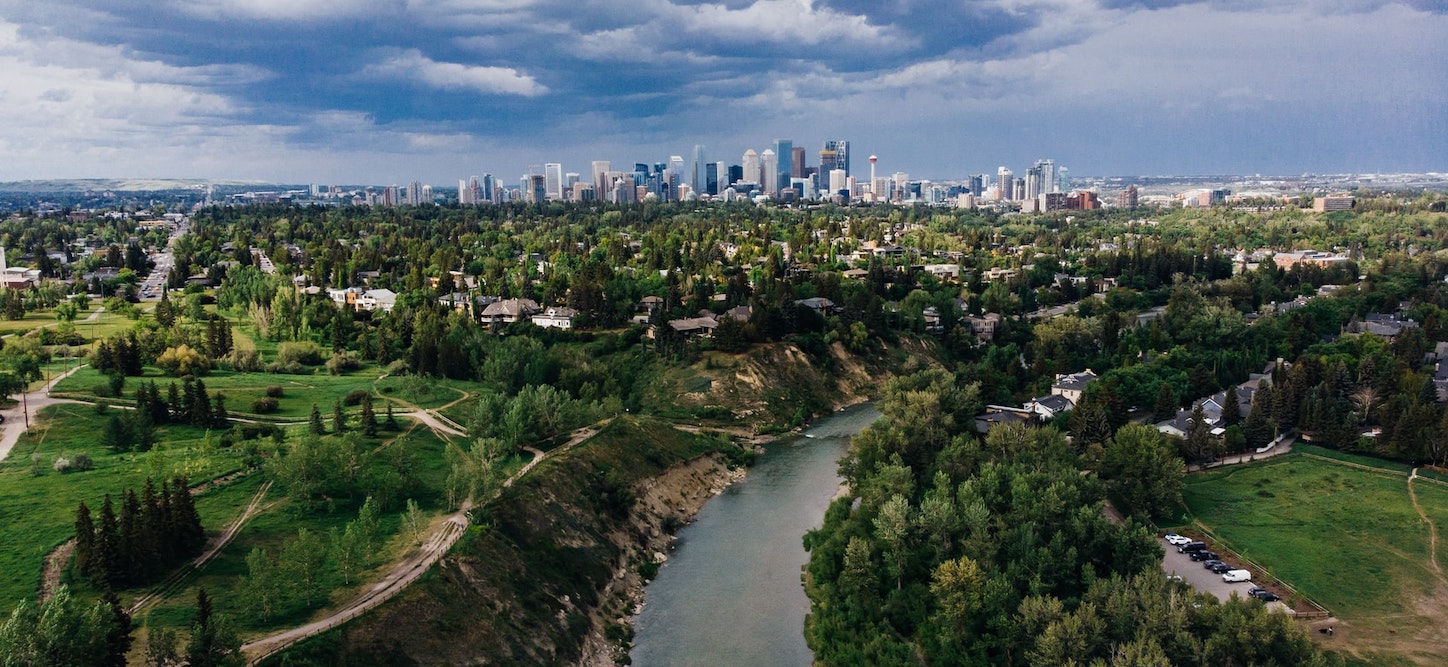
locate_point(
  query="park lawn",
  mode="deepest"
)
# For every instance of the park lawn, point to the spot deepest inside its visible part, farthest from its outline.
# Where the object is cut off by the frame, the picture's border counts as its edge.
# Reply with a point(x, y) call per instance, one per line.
point(37, 513)
point(241, 389)
point(224, 577)
point(427, 392)
point(1346, 537)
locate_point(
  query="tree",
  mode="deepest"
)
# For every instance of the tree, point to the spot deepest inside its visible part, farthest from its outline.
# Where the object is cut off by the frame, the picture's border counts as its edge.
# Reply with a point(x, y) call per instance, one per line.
point(118, 635)
point(213, 642)
point(161, 649)
point(59, 632)
point(1142, 472)
point(339, 419)
point(261, 591)
point(1200, 443)
point(1231, 407)
point(302, 560)
point(1166, 403)
point(85, 540)
point(315, 422)
point(368, 417)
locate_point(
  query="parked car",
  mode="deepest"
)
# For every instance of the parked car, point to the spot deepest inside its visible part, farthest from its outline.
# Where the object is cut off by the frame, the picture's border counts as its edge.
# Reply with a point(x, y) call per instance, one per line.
point(1234, 576)
point(1204, 555)
point(1264, 595)
point(1207, 565)
point(1177, 540)
point(1190, 547)
point(1221, 568)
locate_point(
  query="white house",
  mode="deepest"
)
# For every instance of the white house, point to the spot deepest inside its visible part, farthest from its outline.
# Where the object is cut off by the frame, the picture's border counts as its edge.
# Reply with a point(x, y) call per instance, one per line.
point(557, 317)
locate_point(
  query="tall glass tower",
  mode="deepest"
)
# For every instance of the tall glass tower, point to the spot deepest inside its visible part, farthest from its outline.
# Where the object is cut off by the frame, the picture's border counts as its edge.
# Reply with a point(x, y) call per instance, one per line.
point(784, 154)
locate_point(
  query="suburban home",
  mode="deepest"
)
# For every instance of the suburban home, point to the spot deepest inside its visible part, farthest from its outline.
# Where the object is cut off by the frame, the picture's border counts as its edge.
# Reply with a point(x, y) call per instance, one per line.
point(933, 323)
point(999, 414)
point(740, 313)
point(1380, 324)
point(509, 311)
point(557, 317)
point(1073, 386)
point(818, 304)
point(984, 328)
point(377, 299)
point(1049, 406)
point(701, 327)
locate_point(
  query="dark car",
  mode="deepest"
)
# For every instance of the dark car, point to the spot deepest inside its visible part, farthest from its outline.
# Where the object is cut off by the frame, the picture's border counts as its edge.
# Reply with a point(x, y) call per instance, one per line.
point(1264, 595)
point(1221, 567)
point(1207, 564)
point(1204, 555)
point(1191, 546)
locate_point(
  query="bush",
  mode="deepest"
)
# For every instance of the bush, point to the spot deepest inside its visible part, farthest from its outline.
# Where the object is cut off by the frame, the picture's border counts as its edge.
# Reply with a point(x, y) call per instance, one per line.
point(342, 362)
point(61, 464)
point(354, 397)
point(82, 461)
point(183, 360)
point(289, 368)
point(102, 390)
point(263, 406)
point(304, 352)
point(242, 361)
point(274, 391)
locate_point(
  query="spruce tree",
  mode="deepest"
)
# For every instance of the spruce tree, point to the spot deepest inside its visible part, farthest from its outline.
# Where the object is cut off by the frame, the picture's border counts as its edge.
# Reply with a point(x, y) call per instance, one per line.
point(173, 403)
point(1231, 409)
point(85, 540)
point(391, 420)
point(368, 418)
point(188, 521)
point(316, 421)
point(201, 406)
point(339, 418)
point(135, 567)
point(219, 417)
point(1166, 403)
point(118, 638)
point(106, 561)
point(150, 549)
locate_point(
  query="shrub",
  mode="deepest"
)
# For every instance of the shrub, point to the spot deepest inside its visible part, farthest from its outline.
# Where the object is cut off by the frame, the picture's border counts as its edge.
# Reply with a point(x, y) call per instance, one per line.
point(82, 461)
point(102, 390)
point(303, 352)
point(61, 464)
point(264, 405)
point(354, 397)
point(274, 391)
point(242, 361)
point(289, 368)
point(183, 360)
point(342, 362)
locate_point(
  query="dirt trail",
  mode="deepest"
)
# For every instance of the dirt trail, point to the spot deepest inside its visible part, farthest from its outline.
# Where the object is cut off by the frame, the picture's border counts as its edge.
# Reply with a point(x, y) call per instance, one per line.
point(55, 563)
point(1432, 529)
point(177, 578)
point(411, 568)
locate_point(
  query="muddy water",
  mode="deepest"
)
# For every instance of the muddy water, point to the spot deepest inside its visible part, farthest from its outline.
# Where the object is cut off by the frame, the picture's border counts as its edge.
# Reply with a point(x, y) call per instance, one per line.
point(730, 593)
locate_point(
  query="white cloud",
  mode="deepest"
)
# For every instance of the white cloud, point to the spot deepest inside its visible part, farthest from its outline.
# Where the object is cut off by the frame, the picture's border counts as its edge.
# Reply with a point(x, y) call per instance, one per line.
point(289, 10)
point(411, 65)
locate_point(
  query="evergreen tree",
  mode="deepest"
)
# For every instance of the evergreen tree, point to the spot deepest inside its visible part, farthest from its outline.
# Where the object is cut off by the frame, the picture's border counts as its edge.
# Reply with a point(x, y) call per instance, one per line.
point(118, 638)
point(219, 417)
point(315, 422)
point(1231, 408)
point(1166, 403)
point(135, 568)
point(213, 643)
point(174, 405)
point(85, 540)
point(339, 418)
point(107, 563)
point(391, 420)
point(368, 418)
point(148, 549)
point(1200, 443)
point(160, 414)
point(117, 433)
point(1258, 428)
point(201, 406)
point(192, 536)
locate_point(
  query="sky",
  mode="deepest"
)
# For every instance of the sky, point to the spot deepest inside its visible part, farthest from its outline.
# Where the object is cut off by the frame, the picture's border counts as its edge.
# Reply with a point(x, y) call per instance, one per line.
point(391, 91)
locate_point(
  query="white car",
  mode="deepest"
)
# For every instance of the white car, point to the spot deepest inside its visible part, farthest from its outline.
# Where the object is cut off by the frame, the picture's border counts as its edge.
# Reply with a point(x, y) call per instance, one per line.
point(1177, 540)
point(1234, 576)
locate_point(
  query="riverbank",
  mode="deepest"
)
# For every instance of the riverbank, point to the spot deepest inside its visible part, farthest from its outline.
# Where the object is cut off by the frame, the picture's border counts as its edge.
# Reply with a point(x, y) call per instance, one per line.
point(665, 504)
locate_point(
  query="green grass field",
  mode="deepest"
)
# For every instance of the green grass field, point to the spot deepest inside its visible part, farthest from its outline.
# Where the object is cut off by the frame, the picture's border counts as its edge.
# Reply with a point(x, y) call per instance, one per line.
point(1346, 537)
point(37, 513)
point(241, 389)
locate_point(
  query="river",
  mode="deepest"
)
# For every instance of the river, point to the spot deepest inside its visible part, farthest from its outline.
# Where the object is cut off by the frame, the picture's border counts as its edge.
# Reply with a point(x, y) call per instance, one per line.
point(730, 593)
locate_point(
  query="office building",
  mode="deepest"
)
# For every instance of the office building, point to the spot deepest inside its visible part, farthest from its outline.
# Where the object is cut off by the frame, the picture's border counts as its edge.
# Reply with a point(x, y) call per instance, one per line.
point(1005, 182)
point(784, 169)
point(835, 155)
point(600, 175)
point(751, 167)
point(797, 163)
point(553, 180)
point(698, 178)
point(769, 171)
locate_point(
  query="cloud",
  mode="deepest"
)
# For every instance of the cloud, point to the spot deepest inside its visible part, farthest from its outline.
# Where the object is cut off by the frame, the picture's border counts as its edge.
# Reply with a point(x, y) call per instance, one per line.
point(411, 65)
point(287, 10)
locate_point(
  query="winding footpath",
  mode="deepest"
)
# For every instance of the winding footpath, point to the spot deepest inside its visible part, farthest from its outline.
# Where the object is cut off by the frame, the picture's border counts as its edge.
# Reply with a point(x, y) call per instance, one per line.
point(412, 568)
point(1432, 529)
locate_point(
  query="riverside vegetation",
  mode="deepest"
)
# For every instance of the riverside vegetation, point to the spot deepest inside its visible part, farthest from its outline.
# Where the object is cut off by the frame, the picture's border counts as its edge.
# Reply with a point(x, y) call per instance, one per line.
point(274, 382)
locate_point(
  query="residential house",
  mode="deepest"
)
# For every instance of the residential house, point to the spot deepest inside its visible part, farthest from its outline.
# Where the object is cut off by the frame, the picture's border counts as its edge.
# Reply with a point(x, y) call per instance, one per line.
point(508, 311)
point(1049, 406)
point(377, 299)
point(1385, 325)
point(556, 317)
point(996, 415)
point(933, 322)
point(818, 304)
point(984, 328)
point(1073, 386)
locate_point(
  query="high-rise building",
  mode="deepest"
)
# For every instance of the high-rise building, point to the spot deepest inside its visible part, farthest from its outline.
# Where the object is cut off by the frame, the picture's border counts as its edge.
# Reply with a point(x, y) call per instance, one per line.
point(1128, 198)
point(465, 194)
point(1047, 169)
point(736, 173)
point(1033, 183)
point(838, 180)
point(553, 180)
point(1004, 182)
point(836, 155)
point(751, 167)
point(711, 179)
point(784, 168)
point(797, 162)
point(600, 176)
point(698, 178)
point(1063, 180)
point(769, 169)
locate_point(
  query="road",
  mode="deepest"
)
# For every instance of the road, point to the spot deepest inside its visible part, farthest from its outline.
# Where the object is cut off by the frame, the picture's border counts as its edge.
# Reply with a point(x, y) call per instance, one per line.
point(155, 283)
point(14, 415)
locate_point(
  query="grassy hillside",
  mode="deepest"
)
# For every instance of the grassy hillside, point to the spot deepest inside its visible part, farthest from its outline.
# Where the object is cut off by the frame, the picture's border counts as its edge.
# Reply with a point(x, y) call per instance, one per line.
point(523, 588)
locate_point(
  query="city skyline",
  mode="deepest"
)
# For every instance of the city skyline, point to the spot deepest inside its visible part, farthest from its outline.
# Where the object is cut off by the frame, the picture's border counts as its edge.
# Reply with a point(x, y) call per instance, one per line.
point(350, 91)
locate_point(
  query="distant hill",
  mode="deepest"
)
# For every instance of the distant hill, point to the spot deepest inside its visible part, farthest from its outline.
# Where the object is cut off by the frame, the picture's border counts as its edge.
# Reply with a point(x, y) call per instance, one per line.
point(130, 185)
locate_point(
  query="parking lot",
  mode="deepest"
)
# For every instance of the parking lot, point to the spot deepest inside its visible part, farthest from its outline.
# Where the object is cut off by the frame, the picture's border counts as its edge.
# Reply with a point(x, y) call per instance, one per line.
point(1202, 579)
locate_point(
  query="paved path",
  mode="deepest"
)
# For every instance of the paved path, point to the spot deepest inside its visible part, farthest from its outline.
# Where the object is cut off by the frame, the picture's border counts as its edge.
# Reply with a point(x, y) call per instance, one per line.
point(33, 401)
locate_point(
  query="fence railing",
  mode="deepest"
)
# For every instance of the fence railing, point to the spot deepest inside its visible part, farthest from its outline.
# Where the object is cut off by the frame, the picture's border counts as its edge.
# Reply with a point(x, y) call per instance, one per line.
point(1261, 574)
